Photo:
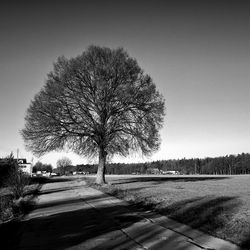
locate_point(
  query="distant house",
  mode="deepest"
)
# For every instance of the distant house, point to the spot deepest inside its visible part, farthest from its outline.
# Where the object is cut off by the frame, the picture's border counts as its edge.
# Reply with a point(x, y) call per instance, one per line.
point(170, 172)
point(25, 166)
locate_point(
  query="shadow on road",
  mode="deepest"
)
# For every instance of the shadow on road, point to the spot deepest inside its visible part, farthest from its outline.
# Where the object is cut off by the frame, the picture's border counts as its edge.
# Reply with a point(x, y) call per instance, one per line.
point(78, 226)
point(56, 190)
point(246, 243)
point(43, 180)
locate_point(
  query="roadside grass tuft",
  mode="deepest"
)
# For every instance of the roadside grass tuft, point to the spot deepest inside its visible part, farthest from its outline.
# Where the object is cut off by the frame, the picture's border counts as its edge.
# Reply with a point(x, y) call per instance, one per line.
point(6, 208)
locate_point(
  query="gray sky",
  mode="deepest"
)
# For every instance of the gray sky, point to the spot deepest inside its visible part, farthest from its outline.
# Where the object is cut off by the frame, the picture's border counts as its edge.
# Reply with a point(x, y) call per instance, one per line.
point(197, 52)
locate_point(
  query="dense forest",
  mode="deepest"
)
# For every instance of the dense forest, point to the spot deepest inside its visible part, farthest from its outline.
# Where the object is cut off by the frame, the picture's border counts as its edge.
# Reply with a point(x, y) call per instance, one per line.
point(230, 164)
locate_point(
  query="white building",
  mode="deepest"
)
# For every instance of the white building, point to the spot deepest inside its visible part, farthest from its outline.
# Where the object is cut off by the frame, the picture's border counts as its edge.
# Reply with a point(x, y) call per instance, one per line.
point(170, 172)
point(25, 166)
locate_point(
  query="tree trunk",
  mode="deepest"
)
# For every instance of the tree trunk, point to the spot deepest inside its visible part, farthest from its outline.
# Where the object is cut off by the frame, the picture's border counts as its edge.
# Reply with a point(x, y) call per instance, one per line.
point(100, 177)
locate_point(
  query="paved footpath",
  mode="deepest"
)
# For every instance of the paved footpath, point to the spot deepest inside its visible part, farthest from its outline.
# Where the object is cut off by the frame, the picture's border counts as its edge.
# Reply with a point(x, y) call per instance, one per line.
point(70, 215)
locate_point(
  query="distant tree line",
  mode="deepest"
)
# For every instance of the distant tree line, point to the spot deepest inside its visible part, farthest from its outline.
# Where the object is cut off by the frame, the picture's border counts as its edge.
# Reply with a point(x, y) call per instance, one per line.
point(230, 164)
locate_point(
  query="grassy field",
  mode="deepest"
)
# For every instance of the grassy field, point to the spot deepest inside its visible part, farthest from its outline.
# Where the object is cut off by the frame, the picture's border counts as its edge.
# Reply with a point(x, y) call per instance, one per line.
point(219, 205)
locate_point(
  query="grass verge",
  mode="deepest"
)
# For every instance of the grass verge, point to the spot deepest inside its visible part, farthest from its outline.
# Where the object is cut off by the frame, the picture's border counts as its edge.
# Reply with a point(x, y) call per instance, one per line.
point(217, 206)
point(12, 208)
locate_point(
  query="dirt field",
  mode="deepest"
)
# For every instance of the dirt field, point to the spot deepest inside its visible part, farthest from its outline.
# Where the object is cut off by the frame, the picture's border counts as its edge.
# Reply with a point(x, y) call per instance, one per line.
point(219, 205)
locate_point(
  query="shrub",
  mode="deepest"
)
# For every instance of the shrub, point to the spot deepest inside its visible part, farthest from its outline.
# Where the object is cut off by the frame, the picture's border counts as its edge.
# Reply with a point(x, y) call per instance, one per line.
point(17, 181)
point(6, 212)
point(7, 165)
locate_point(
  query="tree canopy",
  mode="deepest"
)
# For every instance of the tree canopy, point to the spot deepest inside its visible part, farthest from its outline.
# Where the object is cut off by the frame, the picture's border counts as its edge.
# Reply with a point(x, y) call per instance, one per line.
point(63, 163)
point(39, 166)
point(98, 103)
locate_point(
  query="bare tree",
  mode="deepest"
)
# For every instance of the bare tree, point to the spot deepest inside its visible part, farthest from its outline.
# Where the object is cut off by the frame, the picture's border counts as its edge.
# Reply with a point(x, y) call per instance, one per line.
point(99, 103)
point(63, 163)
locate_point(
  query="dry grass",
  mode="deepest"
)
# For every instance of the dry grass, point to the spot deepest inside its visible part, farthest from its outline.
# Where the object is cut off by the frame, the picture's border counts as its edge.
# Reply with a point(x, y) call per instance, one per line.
point(219, 205)
point(11, 208)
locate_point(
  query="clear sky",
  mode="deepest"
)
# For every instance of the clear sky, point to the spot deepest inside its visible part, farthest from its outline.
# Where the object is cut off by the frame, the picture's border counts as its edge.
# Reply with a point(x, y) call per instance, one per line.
point(197, 52)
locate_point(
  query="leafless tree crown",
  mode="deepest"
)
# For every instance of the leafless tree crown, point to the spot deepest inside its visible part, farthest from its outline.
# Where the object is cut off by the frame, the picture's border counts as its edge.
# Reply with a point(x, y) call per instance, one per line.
point(100, 100)
point(63, 162)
